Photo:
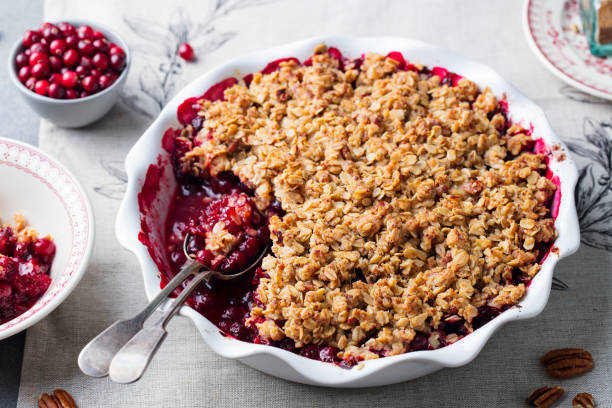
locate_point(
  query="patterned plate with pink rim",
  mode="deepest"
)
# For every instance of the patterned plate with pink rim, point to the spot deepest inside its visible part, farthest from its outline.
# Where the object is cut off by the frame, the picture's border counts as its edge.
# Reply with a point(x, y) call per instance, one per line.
point(554, 32)
point(54, 203)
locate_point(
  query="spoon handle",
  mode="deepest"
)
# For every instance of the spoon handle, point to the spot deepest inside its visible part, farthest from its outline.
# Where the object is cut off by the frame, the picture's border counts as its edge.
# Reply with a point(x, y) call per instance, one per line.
point(95, 358)
point(130, 363)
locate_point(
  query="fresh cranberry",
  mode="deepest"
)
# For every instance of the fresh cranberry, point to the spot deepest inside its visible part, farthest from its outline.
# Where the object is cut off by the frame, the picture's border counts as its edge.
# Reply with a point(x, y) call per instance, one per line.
point(30, 37)
point(71, 94)
point(39, 47)
point(55, 78)
point(55, 63)
point(71, 41)
point(24, 74)
point(38, 56)
point(101, 45)
point(21, 60)
point(95, 73)
point(85, 47)
point(117, 61)
point(57, 47)
point(186, 52)
point(71, 58)
point(105, 81)
point(30, 83)
point(56, 91)
point(81, 71)
point(66, 28)
point(41, 87)
point(51, 33)
point(89, 84)
point(84, 94)
point(85, 62)
point(85, 32)
point(100, 61)
point(40, 70)
point(69, 79)
point(44, 247)
point(97, 35)
point(44, 25)
point(115, 49)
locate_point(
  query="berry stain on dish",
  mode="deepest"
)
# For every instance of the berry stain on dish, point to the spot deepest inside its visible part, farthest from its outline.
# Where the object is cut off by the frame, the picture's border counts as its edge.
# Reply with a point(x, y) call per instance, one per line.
point(25, 263)
point(390, 194)
point(68, 62)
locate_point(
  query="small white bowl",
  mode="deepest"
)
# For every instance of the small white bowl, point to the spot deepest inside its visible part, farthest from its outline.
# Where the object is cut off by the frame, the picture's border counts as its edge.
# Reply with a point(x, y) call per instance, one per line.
point(383, 371)
point(72, 113)
point(53, 203)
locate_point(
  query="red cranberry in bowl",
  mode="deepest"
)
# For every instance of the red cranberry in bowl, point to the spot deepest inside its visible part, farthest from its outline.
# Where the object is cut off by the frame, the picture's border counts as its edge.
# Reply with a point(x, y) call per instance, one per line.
point(70, 58)
point(40, 70)
point(21, 60)
point(56, 91)
point(71, 41)
point(186, 52)
point(89, 84)
point(24, 74)
point(41, 87)
point(69, 79)
point(81, 71)
point(39, 47)
point(117, 61)
point(85, 47)
point(57, 47)
point(55, 78)
point(55, 63)
point(101, 45)
point(30, 37)
point(66, 28)
point(38, 56)
point(71, 94)
point(100, 61)
point(30, 83)
point(85, 32)
point(105, 81)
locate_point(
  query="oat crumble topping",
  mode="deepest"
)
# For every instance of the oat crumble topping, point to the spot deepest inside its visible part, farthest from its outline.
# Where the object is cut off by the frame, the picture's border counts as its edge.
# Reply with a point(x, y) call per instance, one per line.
point(408, 202)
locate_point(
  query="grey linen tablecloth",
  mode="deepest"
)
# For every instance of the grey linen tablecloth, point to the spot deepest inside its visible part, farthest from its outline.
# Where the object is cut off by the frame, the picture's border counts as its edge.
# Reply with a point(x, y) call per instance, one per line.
point(186, 373)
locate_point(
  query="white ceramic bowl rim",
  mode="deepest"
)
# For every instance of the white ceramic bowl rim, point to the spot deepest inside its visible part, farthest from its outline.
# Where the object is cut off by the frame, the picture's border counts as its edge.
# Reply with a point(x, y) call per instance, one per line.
point(96, 26)
point(62, 183)
point(146, 150)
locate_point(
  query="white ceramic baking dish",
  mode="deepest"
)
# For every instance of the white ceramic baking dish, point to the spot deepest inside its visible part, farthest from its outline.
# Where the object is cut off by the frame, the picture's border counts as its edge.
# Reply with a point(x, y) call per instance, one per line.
point(382, 371)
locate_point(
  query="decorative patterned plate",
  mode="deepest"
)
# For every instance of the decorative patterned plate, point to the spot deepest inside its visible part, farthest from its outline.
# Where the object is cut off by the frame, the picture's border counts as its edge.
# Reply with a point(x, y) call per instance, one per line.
point(53, 202)
point(554, 32)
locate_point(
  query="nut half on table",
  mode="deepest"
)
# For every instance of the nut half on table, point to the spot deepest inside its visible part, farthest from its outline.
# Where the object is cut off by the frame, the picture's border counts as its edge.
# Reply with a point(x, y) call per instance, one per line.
point(568, 362)
point(545, 397)
point(59, 399)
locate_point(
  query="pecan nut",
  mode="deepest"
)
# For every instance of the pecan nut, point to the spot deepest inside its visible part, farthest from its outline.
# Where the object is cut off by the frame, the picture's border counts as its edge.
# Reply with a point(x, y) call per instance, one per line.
point(583, 400)
point(568, 362)
point(545, 397)
point(59, 399)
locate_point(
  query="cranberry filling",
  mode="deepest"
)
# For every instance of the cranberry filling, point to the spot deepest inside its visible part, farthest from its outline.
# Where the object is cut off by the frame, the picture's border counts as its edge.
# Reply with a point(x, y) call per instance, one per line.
point(24, 269)
point(201, 203)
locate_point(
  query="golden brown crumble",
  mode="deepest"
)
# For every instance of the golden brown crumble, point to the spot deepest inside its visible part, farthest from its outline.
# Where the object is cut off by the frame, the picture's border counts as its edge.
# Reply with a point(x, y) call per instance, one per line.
point(407, 201)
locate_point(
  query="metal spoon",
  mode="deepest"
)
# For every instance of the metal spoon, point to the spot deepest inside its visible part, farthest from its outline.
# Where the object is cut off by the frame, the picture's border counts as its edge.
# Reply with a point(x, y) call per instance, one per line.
point(134, 343)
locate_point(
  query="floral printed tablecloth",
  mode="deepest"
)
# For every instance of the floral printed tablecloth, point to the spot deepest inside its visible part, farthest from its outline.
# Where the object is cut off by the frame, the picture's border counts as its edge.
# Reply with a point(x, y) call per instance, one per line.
point(186, 373)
